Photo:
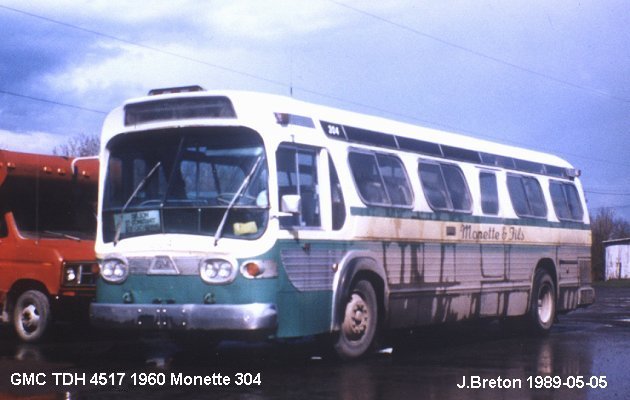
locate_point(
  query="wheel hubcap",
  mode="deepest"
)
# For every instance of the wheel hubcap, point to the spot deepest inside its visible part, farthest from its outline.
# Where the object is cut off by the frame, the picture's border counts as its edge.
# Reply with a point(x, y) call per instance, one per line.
point(545, 305)
point(357, 316)
point(30, 318)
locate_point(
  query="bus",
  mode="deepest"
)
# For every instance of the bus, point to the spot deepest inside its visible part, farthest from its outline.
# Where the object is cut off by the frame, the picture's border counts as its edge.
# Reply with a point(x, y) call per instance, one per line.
point(232, 213)
point(48, 268)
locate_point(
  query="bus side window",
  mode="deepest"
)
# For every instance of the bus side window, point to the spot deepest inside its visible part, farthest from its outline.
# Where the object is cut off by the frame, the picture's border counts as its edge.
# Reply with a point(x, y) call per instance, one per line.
point(573, 201)
point(367, 178)
point(395, 179)
point(381, 179)
point(457, 188)
point(566, 201)
point(297, 174)
point(444, 186)
point(336, 198)
point(535, 196)
point(527, 196)
point(489, 193)
point(433, 186)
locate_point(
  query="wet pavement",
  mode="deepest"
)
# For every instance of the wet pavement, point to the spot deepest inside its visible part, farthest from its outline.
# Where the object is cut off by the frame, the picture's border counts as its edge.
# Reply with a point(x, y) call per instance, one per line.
point(586, 356)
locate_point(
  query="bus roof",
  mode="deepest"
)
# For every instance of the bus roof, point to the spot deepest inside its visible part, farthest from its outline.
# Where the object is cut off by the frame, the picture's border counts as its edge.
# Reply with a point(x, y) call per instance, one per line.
point(252, 106)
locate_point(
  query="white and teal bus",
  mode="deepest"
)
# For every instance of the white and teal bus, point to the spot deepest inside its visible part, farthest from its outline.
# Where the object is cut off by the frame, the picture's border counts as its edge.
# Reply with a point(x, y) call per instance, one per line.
point(237, 212)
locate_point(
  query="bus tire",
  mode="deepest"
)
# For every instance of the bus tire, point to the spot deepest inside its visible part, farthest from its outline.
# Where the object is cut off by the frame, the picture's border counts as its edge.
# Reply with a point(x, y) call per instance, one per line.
point(542, 306)
point(31, 315)
point(360, 322)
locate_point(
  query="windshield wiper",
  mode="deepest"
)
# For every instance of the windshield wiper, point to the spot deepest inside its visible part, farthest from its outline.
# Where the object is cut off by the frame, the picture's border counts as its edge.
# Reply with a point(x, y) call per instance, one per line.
point(133, 195)
point(64, 235)
point(240, 190)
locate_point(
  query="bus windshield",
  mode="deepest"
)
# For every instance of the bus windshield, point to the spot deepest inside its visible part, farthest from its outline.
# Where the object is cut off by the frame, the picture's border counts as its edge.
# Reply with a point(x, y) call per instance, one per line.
point(183, 180)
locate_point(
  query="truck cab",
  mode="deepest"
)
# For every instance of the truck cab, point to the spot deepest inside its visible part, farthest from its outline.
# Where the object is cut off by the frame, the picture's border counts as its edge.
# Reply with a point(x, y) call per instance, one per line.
point(47, 226)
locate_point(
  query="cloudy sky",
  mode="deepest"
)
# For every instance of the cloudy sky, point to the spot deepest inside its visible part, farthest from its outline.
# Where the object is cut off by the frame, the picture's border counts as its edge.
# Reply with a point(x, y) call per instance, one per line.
point(547, 75)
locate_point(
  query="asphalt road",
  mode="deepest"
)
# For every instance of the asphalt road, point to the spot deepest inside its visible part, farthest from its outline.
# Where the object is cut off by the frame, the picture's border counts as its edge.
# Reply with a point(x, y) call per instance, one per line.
point(585, 357)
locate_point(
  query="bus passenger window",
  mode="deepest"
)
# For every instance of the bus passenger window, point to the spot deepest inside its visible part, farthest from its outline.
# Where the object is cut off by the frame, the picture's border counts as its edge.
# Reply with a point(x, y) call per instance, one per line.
point(527, 196)
point(573, 201)
point(535, 197)
point(489, 194)
point(433, 186)
point(566, 201)
point(457, 188)
point(336, 198)
point(395, 179)
point(381, 179)
point(367, 178)
point(297, 174)
point(444, 187)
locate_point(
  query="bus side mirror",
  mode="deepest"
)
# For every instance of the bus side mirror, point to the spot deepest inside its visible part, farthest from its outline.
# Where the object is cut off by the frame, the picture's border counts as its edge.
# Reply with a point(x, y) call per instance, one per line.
point(291, 204)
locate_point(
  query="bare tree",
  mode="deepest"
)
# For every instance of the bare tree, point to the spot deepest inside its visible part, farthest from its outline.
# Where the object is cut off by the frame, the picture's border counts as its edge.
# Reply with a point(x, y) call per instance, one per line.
point(79, 146)
point(605, 226)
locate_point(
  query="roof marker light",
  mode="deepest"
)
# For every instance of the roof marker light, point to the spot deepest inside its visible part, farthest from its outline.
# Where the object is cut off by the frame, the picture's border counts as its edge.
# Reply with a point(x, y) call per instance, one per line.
point(285, 119)
point(180, 89)
point(282, 118)
point(573, 172)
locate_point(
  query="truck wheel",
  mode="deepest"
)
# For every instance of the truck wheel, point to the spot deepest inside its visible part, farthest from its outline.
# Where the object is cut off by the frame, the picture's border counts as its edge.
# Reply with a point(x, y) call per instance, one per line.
point(542, 307)
point(31, 315)
point(359, 323)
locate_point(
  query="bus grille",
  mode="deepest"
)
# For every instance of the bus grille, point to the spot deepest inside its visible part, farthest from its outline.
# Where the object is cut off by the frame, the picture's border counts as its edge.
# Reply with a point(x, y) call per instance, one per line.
point(310, 270)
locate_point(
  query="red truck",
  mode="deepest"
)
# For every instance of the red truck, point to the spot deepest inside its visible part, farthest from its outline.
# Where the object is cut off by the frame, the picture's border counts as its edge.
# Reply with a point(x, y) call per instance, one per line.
point(47, 227)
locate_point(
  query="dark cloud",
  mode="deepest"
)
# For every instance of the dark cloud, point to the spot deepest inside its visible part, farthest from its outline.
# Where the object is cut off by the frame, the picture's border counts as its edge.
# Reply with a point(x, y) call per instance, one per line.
point(30, 50)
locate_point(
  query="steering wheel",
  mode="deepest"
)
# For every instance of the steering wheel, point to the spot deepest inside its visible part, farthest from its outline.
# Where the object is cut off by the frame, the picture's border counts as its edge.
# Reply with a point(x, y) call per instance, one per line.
point(150, 202)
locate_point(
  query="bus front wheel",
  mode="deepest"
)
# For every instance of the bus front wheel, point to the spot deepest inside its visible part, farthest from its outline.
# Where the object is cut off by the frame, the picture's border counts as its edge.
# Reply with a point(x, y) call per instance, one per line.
point(360, 322)
point(31, 315)
point(542, 307)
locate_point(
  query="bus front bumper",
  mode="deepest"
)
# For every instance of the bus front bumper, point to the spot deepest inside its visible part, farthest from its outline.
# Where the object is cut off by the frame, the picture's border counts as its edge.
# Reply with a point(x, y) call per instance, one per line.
point(184, 317)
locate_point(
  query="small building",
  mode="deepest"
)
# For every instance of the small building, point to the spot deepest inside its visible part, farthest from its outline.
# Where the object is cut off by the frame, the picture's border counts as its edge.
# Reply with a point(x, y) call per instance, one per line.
point(617, 259)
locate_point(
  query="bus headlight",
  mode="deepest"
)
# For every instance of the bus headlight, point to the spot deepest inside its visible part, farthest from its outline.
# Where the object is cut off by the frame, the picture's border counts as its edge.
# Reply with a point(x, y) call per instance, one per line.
point(216, 271)
point(114, 270)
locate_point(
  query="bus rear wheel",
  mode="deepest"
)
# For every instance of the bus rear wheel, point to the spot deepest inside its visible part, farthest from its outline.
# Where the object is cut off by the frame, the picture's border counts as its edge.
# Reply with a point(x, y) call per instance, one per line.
point(542, 307)
point(31, 315)
point(360, 322)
